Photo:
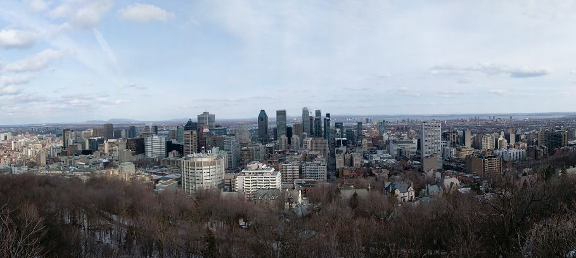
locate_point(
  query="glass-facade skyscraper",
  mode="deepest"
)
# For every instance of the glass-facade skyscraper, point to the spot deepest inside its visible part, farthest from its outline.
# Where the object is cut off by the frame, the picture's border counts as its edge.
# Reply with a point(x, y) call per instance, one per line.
point(281, 122)
point(263, 126)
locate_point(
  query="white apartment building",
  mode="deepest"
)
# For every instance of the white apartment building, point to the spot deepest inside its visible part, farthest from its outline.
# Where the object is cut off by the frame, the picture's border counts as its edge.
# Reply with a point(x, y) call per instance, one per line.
point(202, 171)
point(257, 176)
point(316, 170)
point(155, 146)
point(511, 154)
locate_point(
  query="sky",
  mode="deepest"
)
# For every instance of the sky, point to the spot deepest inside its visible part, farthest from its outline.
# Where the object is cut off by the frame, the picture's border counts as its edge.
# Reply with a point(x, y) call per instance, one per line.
point(78, 60)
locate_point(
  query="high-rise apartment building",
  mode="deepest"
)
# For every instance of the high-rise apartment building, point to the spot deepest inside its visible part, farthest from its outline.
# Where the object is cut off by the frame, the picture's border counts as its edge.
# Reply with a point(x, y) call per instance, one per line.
point(232, 149)
point(281, 123)
point(202, 171)
point(155, 146)
point(306, 121)
point(108, 131)
point(431, 145)
point(263, 126)
point(257, 176)
point(468, 138)
point(316, 170)
point(207, 119)
point(290, 171)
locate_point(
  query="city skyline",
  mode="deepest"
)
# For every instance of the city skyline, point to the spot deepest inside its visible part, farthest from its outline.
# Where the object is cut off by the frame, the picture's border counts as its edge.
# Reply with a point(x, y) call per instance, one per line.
point(71, 61)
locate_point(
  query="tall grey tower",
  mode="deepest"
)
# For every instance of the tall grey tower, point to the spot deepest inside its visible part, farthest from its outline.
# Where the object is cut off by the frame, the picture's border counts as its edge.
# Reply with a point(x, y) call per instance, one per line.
point(431, 145)
point(263, 126)
point(281, 123)
point(207, 119)
point(306, 121)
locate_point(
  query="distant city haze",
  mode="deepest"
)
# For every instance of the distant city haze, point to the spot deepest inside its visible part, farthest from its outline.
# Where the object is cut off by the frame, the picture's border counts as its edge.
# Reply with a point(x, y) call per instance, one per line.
point(74, 61)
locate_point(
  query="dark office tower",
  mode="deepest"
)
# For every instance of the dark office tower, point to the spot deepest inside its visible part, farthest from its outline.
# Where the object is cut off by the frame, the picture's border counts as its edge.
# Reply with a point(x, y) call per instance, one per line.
point(275, 133)
point(281, 122)
point(132, 131)
point(289, 134)
point(297, 129)
point(207, 119)
point(117, 134)
point(135, 144)
point(154, 129)
point(350, 136)
point(311, 121)
point(327, 127)
point(263, 126)
point(108, 131)
point(305, 123)
point(65, 137)
point(359, 131)
point(339, 126)
point(318, 124)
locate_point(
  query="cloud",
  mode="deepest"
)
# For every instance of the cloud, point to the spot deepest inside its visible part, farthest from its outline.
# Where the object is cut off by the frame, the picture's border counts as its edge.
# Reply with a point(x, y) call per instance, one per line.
point(492, 69)
point(17, 39)
point(136, 87)
point(38, 5)
point(500, 92)
point(36, 62)
point(191, 22)
point(448, 93)
point(464, 81)
point(9, 90)
point(15, 79)
point(144, 13)
point(82, 14)
point(407, 92)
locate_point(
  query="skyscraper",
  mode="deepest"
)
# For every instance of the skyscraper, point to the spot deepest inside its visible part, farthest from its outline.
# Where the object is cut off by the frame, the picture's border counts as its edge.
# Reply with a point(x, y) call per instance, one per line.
point(263, 126)
point(131, 131)
point(281, 122)
point(180, 134)
point(306, 121)
point(431, 145)
point(468, 138)
point(65, 137)
point(318, 124)
point(108, 131)
point(359, 131)
point(340, 133)
point(190, 138)
point(327, 127)
point(207, 119)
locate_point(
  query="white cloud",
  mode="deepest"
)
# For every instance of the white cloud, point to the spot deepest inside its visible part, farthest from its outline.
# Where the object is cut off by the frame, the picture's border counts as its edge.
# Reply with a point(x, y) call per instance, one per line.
point(407, 92)
point(492, 69)
point(17, 38)
point(144, 13)
point(83, 14)
point(15, 79)
point(36, 62)
point(38, 5)
point(497, 91)
point(9, 90)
